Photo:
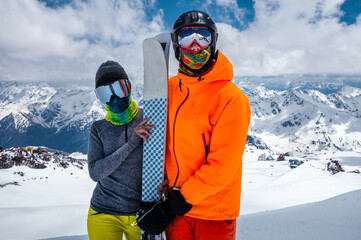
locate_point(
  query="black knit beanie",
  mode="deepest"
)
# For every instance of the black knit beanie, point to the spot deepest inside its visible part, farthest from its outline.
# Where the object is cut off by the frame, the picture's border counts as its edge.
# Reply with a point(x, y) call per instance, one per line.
point(108, 72)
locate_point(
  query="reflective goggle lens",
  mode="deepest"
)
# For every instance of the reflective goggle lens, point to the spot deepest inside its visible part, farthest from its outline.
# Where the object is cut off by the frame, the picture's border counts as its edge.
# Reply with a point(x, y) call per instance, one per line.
point(103, 93)
point(119, 88)
point(189, 34)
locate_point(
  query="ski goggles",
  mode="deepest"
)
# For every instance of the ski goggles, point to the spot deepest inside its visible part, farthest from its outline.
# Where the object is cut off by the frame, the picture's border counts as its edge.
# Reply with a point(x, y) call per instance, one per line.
point(188, 35)
point(120, 88)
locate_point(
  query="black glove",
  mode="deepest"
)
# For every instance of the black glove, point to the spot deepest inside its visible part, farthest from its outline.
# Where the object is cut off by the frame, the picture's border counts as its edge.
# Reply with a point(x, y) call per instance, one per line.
point(177, 202)
point(154, 217)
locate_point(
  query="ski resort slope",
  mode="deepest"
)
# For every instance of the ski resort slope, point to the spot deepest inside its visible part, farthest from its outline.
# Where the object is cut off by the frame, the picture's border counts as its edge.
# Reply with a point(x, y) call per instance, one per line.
point(277, 203)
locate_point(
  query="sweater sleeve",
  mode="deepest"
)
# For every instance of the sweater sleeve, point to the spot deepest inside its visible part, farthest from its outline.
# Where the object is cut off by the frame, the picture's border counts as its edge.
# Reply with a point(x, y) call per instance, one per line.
point(101, 166)
point(227, 145)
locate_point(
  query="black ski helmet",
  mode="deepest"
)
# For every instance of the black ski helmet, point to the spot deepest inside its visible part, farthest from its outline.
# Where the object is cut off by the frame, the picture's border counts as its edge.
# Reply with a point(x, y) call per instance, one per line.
point(194, 18)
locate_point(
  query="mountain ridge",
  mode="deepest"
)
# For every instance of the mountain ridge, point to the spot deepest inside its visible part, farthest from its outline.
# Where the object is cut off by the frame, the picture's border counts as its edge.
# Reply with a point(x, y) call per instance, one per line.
point(286, 120)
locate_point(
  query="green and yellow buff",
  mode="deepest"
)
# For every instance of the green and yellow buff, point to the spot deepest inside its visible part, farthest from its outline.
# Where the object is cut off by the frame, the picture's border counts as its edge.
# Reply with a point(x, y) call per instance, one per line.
point(121, 110)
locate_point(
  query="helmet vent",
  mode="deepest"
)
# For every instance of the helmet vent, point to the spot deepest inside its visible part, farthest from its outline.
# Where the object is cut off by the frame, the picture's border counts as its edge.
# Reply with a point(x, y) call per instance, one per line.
point(194, 16)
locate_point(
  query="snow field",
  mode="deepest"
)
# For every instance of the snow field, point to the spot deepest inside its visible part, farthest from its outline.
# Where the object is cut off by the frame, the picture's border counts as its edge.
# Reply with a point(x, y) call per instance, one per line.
point(277, 202)
point(269, 185)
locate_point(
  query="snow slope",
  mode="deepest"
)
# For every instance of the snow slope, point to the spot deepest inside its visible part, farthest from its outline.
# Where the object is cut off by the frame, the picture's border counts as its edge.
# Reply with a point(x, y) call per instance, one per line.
point(273, 200)
point(268, 185)
point(30, 223)
point(337, 218)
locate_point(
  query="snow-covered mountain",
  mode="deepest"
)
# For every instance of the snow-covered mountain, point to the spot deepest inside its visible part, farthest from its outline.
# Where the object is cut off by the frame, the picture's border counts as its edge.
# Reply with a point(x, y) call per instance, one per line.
point(305, 121)
point(287, 115)
point(37, 114)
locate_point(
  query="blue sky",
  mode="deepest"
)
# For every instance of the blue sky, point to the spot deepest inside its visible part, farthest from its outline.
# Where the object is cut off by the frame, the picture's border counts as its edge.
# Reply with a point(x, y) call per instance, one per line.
point(56, 40)
point(172, 9)
point(351, 9)
point(219, 13)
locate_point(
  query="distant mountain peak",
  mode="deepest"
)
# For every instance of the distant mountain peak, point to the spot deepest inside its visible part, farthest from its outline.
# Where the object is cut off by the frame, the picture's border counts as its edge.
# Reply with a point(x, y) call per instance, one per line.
point(303, 113)
point(305, 120)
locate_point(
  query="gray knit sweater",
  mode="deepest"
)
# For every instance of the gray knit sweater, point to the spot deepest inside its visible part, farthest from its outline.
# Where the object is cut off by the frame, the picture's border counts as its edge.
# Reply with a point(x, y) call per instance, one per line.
point(115, 163)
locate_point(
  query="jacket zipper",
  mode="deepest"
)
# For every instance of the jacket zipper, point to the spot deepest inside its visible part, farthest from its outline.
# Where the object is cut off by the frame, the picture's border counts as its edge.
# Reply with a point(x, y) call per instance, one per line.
point(205, 146)
point(126, 132)
point(175, 119)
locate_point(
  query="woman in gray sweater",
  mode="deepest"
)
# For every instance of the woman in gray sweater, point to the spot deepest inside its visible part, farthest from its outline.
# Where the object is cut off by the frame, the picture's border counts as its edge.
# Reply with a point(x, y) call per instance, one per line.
point(115, 157)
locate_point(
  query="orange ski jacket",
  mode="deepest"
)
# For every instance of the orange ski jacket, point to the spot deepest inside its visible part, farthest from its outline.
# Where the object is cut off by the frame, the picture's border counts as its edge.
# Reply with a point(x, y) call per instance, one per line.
point(207, 125)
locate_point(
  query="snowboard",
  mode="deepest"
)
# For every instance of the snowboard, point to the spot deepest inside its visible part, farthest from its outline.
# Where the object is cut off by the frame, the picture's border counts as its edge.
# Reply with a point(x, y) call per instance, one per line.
point(155, 91)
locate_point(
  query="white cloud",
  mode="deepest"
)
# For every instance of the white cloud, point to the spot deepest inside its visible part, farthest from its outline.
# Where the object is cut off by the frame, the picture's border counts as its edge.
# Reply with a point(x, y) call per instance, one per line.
point(226, 2)
point(69, 43)
point(293, 37)
point(40, 43)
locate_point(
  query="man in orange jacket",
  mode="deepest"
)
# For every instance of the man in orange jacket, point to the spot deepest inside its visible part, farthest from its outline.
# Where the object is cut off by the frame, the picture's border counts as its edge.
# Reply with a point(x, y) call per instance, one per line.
point(208, 119)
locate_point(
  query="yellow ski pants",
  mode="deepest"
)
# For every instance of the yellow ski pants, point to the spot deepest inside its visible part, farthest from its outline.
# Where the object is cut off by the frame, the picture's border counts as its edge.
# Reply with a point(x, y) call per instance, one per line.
point(103, 226)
